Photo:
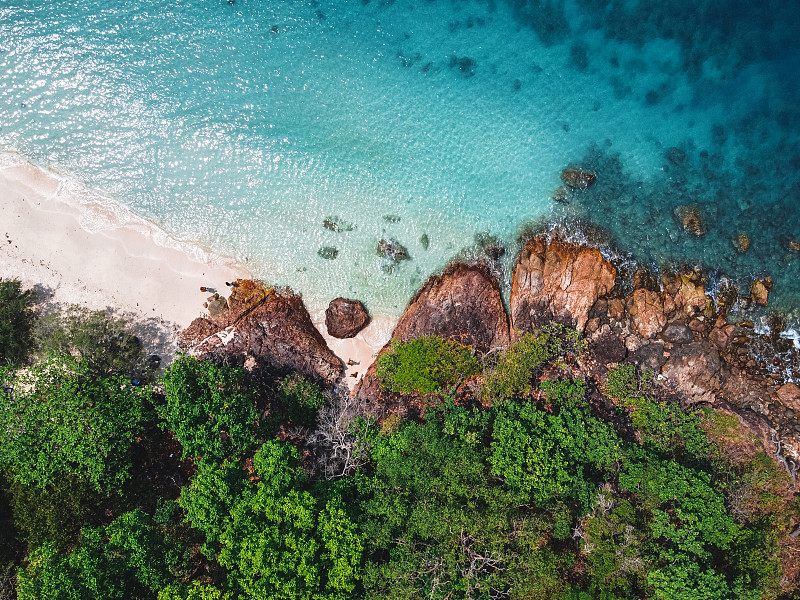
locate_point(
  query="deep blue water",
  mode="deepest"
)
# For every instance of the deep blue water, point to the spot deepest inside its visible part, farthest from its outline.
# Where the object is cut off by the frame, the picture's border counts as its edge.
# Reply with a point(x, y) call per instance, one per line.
point(242, 126)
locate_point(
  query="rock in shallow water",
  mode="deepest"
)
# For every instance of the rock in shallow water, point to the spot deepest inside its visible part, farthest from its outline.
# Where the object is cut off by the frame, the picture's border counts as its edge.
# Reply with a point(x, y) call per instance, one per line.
point(389, 248)
point(578, 179)
point(691, 219)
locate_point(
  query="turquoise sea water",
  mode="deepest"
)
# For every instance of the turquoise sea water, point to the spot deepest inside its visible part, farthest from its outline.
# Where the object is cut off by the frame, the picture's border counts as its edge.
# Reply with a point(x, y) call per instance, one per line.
point(242, 125)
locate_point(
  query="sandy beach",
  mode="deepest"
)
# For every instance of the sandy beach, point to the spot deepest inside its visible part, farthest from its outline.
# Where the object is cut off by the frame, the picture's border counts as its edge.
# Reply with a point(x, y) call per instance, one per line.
point(73, 248)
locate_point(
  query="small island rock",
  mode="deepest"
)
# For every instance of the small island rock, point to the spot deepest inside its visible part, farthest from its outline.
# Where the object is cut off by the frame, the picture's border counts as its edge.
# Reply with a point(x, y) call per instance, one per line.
point(344, 318)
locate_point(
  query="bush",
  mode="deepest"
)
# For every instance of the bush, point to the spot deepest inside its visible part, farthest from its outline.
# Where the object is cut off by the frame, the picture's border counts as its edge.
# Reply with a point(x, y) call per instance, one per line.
point(99, 339)
point(16, 322)
point(302, 399)
point(624, 383)
point(511, 375)
point(425, 365)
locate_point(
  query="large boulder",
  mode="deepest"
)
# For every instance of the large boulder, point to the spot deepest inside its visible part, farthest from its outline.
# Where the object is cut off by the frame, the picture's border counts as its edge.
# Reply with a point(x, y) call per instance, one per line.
point(557, 280)
point(464, 303)
point(695, 371)
point(345, 318)
point(648, 313)
point(272, 327)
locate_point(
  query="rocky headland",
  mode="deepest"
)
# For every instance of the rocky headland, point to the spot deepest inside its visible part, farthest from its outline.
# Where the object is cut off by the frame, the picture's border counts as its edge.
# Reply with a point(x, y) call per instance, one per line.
point(667, 323)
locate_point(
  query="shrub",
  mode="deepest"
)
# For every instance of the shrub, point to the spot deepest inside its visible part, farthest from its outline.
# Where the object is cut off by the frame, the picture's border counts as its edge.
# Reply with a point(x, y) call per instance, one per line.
point(511, 375)
point(624, 383)
point(16, 322)
point(302, 399)
point(425, 365)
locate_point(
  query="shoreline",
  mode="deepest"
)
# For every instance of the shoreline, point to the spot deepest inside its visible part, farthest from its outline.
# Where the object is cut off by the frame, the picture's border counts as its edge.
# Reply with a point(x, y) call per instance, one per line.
point(100, 255)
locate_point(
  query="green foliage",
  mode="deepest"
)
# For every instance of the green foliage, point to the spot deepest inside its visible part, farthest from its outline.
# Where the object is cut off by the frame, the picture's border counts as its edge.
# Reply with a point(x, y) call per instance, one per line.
point(53, 513)
point(210, 409)
point(624, 382)
point(425, 365)
point(95, 337)
point(511, 375)
point(210, 497)
point(195, 591)
point(302, 399)
point(278, 544)
point(529, 451)
point(128, 559)
point(61, 420)
point(16, 322)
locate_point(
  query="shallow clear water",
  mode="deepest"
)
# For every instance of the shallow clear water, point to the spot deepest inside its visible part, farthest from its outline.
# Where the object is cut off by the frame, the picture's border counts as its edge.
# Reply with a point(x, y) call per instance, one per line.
point(243, 125)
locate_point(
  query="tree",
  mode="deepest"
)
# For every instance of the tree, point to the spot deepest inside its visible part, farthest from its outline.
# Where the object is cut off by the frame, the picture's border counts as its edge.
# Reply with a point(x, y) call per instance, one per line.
point(58, 419)
point(511, 374)
point(302, 399)
point(95, 337)
point(129, 559)
point(210, 409)
point(16, 322)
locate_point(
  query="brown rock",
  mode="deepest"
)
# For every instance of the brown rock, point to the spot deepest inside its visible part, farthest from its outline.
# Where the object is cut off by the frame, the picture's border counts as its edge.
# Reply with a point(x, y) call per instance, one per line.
point(687, 291)
point(464, 303)
point(694, 370)
point(345, 318)
point(274, 328)
point(789, 396)
point(217, 306)
point(392, 249)
point(578, 179)
point(741, 242)
point(558, 280)
point(721, 336)
point(648, 312)
point(616, 309)
point(759, 292)
point(691, 219)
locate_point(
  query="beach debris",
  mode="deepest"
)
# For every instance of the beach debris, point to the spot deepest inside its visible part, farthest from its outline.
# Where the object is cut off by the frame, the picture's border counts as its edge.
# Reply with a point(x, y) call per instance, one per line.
point(328, 252)
point(741, 242)
point(578, 179)
point(389, 248)
point(337, 224)
point(424, 241)
point(759, 291)
point(691, 219)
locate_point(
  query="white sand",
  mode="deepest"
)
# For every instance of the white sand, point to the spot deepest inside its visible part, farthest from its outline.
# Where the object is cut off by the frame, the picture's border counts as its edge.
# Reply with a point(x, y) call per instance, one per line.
point(77, 248)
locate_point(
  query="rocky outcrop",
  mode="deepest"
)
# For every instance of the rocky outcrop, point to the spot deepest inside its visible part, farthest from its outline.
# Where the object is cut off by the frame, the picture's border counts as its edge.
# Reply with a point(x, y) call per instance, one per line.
point(557, 280)
point(345, 318)
point(273, 328)
point(691, 219)
point(464, 303)
point(647, 311)
point(759, 291)
point(578, 179)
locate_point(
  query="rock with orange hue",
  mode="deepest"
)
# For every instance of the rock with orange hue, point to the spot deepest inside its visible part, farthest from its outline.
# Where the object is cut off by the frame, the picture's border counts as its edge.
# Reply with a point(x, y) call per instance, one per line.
point(741, 242)
point(274, 328)
point(648, 312)
point(789, 396)
point(694, 371)
point(557, 280)
point(578, 179)
point(759, 292)
point(722, 336)
point(687, 291)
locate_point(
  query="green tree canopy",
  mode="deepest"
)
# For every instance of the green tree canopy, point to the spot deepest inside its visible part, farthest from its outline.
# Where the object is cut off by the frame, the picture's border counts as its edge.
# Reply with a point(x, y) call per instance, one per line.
point(16, 322)
point(210, 409)
point(58, 419)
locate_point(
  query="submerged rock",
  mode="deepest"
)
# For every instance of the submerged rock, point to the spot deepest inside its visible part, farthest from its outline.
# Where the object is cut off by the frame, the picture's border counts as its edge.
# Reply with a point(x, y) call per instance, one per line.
point(561, 194)
point(741, 242)
point(424, 241)
point(578, 179)
point(389, 248)
point(558, 280)
point(345, 318)
point(328, 252)
point(336, 224)
point(690, 217)
point(491, 246)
